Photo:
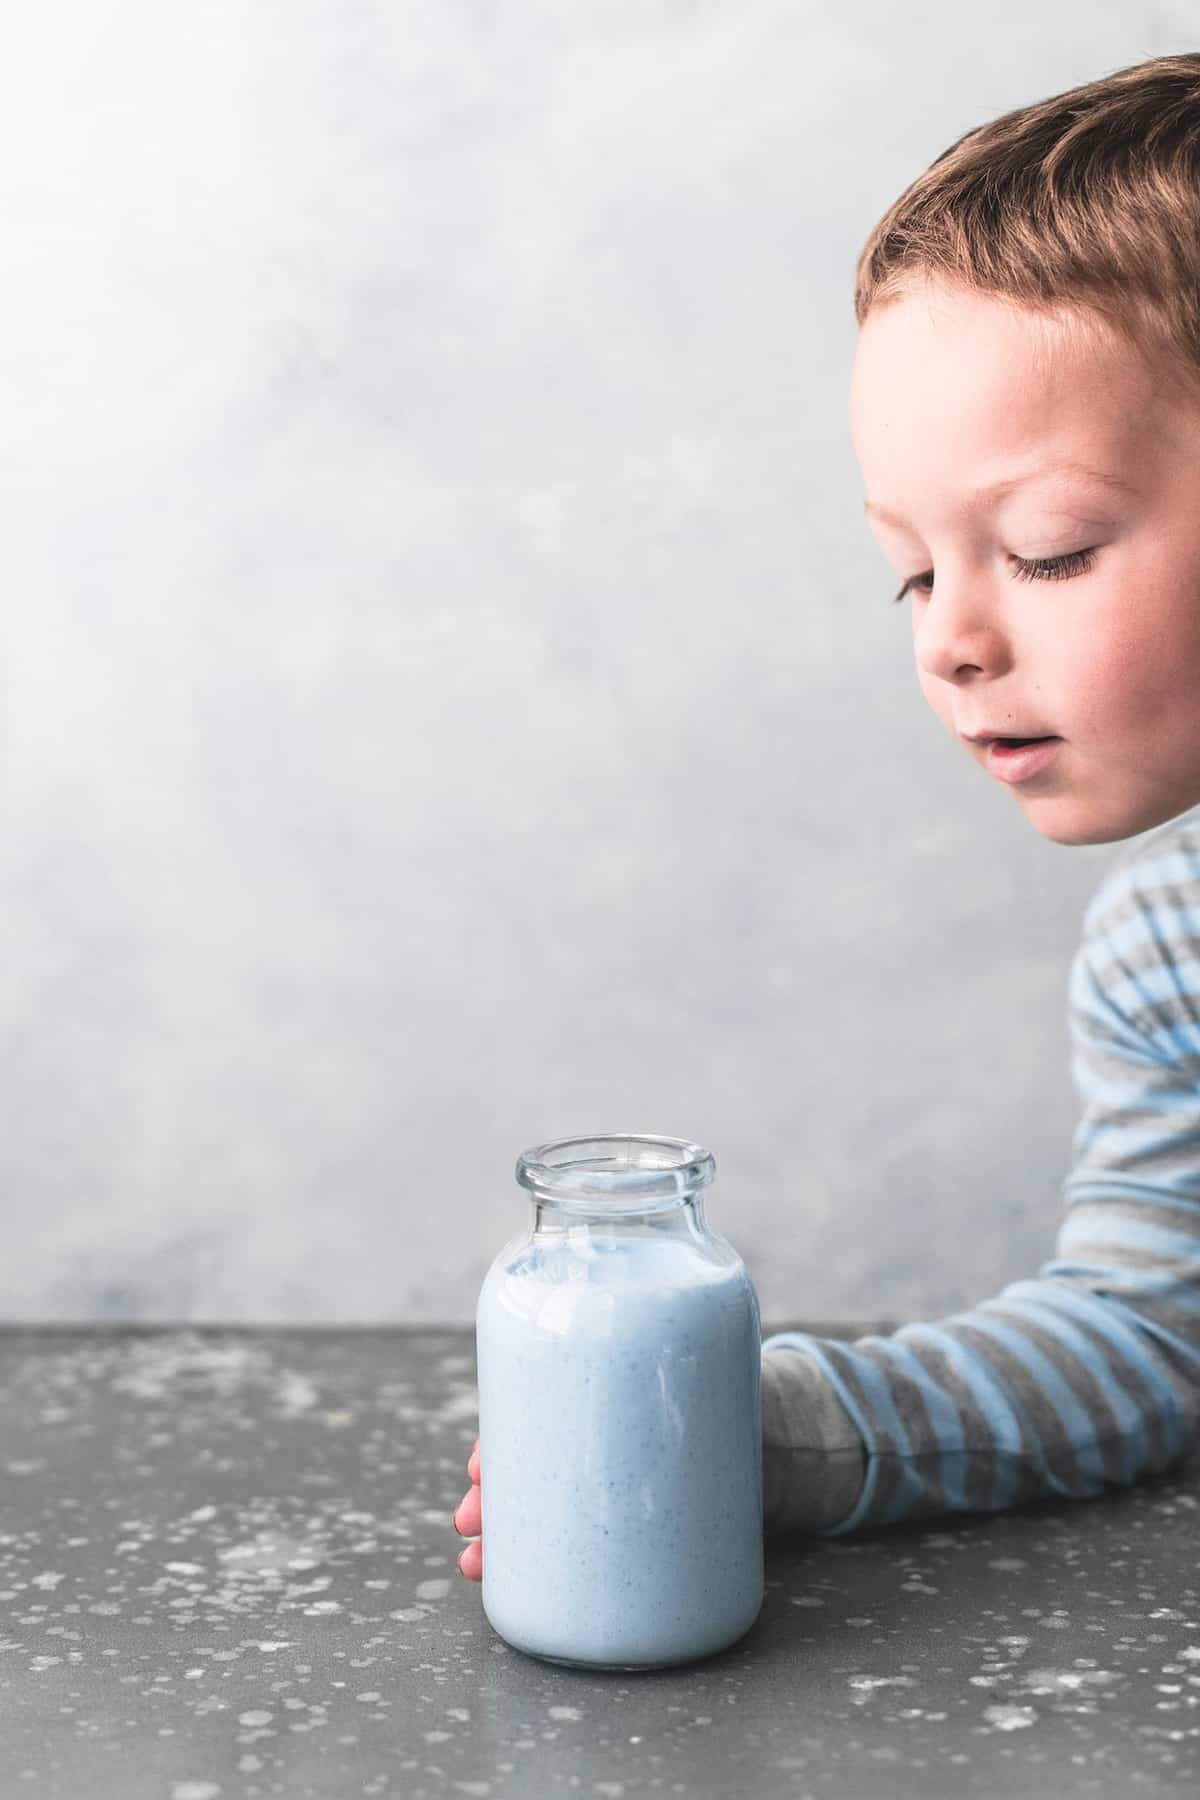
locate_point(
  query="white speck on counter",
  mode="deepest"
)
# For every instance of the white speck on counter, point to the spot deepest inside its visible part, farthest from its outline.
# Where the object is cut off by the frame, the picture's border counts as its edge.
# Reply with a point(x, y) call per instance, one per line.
point(195, 1790)
point(1010, 1718)
point(294, 1394)
point(565, 1712)
point(459, 1406)
point(156, 1368)
point(1065, 1681)
point(433, 1590)
point(257, 1717)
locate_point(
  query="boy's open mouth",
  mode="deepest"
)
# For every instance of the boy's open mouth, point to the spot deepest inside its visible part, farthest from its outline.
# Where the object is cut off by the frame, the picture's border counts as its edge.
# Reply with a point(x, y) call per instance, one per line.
point(1015, 759)
point(986, 738)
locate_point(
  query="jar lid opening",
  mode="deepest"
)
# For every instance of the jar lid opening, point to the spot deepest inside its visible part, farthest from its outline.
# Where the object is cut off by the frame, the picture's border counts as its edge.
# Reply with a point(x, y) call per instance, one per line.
point(617, 1166)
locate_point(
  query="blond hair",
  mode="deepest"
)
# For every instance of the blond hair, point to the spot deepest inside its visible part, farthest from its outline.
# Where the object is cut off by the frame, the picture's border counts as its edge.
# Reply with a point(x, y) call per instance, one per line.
point(1085, 204)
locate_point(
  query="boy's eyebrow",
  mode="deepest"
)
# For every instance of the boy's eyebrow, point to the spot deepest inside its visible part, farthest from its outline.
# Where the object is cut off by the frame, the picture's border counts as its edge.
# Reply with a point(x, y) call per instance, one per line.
point(978, 496)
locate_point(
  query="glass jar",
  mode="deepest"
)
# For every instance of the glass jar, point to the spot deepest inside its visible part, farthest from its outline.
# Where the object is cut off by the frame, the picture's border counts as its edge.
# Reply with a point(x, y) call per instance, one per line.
point(618, 1344)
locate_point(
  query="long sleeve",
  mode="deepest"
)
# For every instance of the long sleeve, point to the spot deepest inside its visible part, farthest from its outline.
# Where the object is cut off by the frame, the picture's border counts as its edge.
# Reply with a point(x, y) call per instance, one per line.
point(1089, 1375)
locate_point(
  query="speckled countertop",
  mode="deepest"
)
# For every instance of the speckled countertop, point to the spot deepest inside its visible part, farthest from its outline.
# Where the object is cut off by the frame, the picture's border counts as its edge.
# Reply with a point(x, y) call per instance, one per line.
point(227, 1568)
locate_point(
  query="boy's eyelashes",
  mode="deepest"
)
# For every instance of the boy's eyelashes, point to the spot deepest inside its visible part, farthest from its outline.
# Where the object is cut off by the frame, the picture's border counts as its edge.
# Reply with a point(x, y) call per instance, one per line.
point(1040, 568)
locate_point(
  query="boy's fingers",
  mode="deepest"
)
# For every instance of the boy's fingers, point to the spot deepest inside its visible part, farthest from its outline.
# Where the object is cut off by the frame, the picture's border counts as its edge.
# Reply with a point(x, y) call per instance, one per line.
point(471, 1561)
point(468, 1520)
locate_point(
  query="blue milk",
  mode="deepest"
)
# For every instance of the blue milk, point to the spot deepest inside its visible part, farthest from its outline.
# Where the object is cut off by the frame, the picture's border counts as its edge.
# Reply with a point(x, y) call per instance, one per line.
point(620, 1444)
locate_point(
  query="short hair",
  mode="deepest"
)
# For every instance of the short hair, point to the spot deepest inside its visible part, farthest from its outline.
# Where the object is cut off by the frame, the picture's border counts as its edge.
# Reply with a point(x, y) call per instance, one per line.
point(1086, 203)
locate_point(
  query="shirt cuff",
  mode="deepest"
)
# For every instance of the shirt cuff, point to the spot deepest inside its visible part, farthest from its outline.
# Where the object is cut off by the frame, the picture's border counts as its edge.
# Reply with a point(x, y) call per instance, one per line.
point(814, 1459)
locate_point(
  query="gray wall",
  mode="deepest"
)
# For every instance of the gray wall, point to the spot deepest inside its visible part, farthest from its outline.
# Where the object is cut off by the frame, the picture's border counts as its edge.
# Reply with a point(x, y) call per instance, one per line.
point(451, 696)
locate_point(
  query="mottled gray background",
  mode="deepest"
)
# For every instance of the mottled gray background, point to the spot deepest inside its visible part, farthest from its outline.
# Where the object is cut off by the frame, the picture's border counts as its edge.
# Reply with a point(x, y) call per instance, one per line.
point(451, 696)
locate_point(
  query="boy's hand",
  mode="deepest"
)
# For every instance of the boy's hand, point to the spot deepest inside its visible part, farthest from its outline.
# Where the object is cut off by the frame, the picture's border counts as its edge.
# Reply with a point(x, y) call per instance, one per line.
point(468, 1521)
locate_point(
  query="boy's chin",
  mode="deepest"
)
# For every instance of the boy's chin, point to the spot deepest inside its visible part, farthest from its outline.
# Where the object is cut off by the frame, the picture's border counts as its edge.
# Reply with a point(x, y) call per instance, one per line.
point(1074, 839)
point(1072, 823)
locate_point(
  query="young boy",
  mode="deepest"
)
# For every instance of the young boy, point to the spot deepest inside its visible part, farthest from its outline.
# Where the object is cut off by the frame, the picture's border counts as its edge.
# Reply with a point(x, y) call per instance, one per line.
point(1025, 408)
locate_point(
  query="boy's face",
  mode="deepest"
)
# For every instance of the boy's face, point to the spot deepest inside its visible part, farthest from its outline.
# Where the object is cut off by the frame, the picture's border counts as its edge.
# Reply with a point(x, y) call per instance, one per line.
point(951, 392)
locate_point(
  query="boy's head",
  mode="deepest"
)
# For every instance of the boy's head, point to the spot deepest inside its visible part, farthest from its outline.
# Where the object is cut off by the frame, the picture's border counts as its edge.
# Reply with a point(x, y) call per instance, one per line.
point(1033, 300)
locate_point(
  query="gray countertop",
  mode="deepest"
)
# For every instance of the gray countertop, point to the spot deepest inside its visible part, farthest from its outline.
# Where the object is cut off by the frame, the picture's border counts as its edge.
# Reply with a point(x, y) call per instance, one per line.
point(228, 1568)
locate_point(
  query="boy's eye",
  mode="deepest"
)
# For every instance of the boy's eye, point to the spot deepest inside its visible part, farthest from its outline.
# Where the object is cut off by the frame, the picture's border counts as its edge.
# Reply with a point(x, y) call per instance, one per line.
point(1043, 568)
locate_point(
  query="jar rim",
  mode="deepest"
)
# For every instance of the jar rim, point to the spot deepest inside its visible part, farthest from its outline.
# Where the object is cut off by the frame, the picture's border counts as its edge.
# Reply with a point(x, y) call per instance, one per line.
point(630, 1166)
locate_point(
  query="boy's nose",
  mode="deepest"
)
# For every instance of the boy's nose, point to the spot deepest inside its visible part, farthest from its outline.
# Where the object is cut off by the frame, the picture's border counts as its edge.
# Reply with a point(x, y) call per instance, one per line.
point(958, 638)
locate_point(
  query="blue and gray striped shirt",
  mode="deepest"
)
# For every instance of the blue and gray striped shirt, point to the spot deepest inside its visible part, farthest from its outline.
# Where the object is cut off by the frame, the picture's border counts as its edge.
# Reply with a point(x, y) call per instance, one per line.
point(1089, 1375)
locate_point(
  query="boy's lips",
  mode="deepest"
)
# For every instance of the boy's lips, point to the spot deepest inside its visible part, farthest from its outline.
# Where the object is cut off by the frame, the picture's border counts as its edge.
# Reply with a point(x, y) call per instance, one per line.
point(987, 737)
point(1014, 762)
point(1017, 762)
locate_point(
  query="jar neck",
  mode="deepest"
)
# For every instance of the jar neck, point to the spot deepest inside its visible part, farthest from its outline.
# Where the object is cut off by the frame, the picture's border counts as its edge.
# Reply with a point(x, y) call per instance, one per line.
point(679, 1218)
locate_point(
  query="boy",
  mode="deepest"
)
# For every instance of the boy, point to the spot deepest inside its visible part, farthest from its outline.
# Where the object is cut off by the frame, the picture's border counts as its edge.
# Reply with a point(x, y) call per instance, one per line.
point(1025, 408)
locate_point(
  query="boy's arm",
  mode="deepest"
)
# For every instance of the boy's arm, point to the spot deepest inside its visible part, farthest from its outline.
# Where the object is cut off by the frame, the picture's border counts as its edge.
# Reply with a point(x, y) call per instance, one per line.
point(1088, 1376)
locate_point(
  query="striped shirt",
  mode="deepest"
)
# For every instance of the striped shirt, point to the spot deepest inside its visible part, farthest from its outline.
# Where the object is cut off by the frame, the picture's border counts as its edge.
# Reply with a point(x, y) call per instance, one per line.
point(1089, 1375)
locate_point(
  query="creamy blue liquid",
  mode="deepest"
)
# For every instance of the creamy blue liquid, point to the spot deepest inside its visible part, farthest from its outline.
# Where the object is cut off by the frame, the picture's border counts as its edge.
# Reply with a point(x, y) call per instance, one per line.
point(620, 1448)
